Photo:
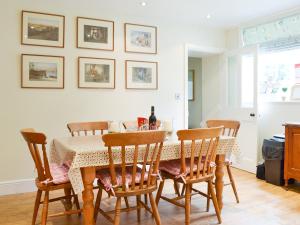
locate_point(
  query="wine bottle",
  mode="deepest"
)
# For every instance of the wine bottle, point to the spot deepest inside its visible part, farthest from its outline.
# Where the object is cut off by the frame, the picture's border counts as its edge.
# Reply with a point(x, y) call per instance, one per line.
point(152, 120)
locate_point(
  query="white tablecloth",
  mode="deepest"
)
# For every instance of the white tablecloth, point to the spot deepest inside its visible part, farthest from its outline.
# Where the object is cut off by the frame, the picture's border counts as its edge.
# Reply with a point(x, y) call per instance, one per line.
point(88, 151)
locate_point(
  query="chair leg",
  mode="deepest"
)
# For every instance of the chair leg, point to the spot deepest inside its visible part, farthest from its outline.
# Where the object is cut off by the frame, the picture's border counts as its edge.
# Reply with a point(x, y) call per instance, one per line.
point(208, 199)
point(97, 204)
point(45, 208)
point(126, 202)
point(68, 200)
point(176, 188)
point(188, 188)
point(76, 201)
point(117, 211)
point(232, 183)
point(138, 210)
point(36, 206)
point(215, 201)
point(154, 209)
point(160, 188)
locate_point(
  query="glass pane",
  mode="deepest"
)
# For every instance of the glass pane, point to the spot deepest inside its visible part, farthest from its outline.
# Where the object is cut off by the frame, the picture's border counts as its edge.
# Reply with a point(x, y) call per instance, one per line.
point(233, 81)
point(247, 95)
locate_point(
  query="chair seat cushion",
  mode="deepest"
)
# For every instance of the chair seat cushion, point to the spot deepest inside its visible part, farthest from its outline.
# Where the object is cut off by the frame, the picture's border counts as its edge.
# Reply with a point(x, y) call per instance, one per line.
point(104, 177)
point(59, 173)
point(173, 166)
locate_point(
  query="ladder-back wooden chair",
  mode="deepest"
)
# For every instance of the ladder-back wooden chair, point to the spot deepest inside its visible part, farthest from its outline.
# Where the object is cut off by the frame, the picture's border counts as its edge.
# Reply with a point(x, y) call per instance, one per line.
point(87, 127)
point(51, 177)
point(194, 168)
point(129, 179)
point(231, 128)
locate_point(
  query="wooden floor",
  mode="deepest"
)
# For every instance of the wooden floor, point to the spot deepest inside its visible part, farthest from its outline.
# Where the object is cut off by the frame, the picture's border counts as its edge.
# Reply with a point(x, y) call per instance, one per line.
point(261, 204)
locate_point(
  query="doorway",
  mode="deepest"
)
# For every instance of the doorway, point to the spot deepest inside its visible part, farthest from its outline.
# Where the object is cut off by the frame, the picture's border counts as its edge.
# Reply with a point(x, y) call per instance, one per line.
point(201, 100)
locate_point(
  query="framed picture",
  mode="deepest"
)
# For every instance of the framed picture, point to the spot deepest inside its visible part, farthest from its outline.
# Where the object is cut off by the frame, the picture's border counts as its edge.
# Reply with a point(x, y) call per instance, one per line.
point(140, 38)
point(95, 34)
point(42, 71)
point(141, 75)
point(96, 73)
point(43, 29)
point(191, 80)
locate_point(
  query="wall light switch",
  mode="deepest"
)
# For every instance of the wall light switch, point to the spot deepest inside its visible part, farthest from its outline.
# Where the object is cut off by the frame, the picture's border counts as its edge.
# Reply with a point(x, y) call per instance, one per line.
point(177, 96)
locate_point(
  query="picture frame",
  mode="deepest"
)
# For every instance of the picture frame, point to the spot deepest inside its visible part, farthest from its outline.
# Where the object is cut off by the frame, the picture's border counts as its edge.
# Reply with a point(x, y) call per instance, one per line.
point(95, 34)
point(42, 29)
point(42, 71)
point(141, 75)
point(191, 85)
point(96, 73)
point(140, 38)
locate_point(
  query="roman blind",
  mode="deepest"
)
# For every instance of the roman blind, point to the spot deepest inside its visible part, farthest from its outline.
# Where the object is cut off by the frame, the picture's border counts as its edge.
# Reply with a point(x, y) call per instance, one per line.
point(278, 35)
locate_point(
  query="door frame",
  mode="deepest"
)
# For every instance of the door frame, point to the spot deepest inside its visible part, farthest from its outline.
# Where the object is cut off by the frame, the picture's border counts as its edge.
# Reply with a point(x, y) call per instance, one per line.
point(205, 51)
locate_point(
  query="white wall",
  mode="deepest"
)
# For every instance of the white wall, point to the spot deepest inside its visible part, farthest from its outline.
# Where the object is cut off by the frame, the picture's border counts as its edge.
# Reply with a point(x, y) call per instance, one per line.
point(195, 106)
point(211, 83)
point(50, 110)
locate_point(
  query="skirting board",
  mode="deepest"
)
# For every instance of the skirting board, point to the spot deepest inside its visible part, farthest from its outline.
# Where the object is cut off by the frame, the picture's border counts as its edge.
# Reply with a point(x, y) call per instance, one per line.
point(17, 186)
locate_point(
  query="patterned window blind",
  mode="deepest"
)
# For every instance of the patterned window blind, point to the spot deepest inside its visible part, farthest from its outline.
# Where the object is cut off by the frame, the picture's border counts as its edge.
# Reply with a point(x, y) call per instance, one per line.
point(282, 34)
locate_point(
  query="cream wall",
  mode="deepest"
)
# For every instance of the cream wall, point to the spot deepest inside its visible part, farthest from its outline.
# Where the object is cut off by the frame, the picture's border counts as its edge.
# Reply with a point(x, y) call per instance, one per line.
point(195, 106)
point(211, 83)
point(50, 110)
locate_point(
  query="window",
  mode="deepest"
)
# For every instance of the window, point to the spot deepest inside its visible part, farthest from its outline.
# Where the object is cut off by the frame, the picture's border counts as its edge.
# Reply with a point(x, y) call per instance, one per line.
point(278, 73)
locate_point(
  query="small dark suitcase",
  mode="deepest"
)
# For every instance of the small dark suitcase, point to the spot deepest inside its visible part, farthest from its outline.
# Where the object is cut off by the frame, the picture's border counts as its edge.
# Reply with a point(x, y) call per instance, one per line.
point(260, 171)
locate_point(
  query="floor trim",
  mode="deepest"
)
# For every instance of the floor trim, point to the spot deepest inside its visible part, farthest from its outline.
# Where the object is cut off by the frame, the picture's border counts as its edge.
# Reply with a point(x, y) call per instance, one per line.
point(17, 186)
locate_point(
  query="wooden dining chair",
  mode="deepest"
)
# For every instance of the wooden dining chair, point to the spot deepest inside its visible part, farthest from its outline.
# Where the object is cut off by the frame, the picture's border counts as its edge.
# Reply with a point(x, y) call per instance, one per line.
point(194, 168)
point(90, 128)
point(124, 179)
point(87, 127)
point(231, 128)
point(51, 177)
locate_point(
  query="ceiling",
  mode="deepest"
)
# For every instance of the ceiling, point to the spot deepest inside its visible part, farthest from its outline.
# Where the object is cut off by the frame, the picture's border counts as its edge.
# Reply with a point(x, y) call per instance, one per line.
point(224, 13)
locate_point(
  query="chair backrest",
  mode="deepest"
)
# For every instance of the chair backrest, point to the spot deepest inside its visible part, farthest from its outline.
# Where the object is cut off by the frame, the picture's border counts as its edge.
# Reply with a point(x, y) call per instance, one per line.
point(231, 127)
point(203, 151)
point(87, 127)
point(133, 125)
point(147, 147)
point(34, 140)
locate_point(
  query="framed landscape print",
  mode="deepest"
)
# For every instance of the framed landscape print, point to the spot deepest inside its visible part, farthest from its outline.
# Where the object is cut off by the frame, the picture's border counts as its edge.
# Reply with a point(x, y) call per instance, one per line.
point(95, 34)
point(42, 71)
point(96, 73)
point(43, 29)
point(141, 75)
point(140, 38)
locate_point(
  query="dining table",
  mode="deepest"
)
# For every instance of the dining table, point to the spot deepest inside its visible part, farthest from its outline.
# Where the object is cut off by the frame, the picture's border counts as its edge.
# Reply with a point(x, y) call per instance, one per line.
point(84, 154)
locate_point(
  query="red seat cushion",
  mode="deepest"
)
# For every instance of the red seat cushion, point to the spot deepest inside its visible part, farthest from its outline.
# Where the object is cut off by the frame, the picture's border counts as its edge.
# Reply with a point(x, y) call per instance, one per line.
point(104, 177)
point(173, 166)
point(59, 173)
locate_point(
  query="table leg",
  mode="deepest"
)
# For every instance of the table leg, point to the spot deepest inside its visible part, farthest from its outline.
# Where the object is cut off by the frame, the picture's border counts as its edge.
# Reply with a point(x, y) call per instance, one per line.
point(219, 183)
point(88, 177)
